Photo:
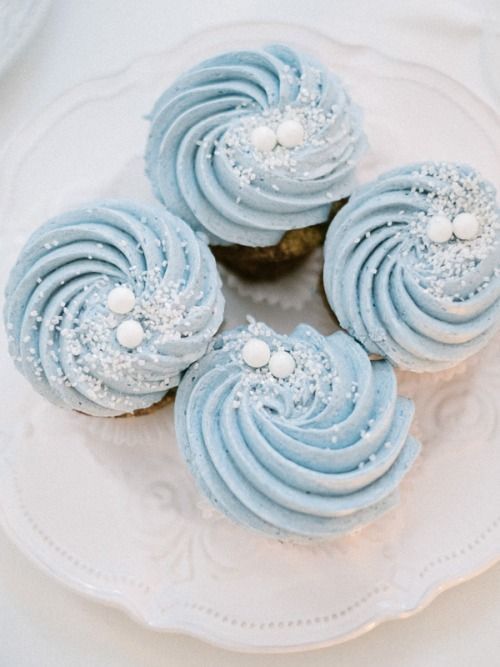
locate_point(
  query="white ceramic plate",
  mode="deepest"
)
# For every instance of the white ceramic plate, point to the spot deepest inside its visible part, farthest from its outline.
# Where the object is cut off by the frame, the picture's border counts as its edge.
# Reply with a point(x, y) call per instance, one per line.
point(19, 21)
point(107, 507)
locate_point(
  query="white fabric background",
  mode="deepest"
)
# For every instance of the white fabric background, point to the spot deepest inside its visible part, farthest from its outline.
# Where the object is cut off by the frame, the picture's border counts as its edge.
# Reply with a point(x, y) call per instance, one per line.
point(41, 623)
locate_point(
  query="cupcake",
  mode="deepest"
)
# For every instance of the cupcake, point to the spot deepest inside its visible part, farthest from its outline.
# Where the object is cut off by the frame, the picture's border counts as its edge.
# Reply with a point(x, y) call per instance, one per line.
point(258, 149)
point(412, 265)
point(107, 305)
point(298, 436)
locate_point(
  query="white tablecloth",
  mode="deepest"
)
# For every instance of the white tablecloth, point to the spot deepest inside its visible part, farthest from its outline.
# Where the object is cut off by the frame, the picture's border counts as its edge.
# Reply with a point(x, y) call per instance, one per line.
point(41, 623)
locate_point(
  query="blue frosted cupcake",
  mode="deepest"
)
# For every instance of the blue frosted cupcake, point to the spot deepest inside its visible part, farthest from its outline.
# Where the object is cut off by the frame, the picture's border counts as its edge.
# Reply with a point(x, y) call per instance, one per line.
point(254, 147)
point(108, 305)
point(298, 435)
point(412, 265)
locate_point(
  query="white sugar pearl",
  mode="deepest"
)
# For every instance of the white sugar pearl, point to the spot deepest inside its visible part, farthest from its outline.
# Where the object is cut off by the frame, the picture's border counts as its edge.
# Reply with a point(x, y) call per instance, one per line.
point(129, 333)
point(121, 300)
point(281, 364)
point(290, 133)
point(439, 229)
point(263, 138)
point(256, 353)
point(465, 226)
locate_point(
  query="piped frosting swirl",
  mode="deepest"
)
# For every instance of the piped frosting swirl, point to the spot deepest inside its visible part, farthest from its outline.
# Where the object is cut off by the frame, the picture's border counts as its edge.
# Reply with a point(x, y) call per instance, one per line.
point(311, 448)
point(202, 160)
point(108, 304)
point(412, 265)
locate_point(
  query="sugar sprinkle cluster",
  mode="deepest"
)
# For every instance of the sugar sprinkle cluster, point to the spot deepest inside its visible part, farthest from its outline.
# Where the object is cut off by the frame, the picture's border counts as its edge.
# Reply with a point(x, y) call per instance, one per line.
point(90, 337)
point(307, 110)
point(312, 386)
point(450, 193)
point(311, 380)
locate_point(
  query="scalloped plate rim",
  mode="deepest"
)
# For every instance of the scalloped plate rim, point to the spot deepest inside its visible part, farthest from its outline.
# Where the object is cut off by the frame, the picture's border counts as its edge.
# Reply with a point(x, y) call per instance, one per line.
point(119, 599)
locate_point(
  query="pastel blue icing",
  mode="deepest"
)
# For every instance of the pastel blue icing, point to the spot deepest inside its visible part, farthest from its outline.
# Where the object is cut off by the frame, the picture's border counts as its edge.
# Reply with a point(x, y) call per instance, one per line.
point(191, 172)
point(397, 292)
point(61, 331)
point(317, 454)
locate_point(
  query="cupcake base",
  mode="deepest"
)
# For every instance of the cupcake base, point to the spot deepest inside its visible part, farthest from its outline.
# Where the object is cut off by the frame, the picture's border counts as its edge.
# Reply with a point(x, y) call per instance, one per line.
point(166, 400)
point(265, 263)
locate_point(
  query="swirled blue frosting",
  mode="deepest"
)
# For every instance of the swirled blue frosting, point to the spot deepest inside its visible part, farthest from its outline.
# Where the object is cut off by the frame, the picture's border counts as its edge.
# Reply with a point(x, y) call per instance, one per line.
point(201, 160)
point(315, 454)
point(423, 305)
point(62, 333)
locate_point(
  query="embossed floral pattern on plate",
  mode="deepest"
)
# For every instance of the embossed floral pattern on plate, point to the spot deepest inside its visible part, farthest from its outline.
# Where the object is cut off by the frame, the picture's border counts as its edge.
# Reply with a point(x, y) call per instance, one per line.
point(106, 505)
